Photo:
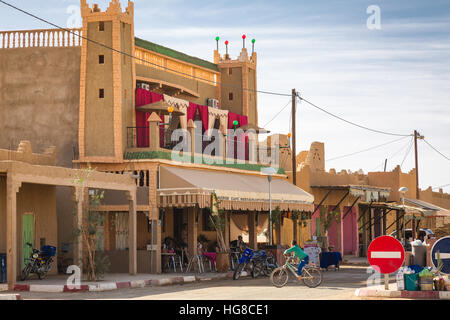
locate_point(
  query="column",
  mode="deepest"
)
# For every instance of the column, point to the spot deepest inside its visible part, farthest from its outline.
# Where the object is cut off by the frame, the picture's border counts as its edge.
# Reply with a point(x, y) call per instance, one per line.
point(252, 233)
point(132, 233)
point(191, 131)
point(12, 188)
point(278, 229)
point(192, 231)
point(156, 241)
point(227, 229)
point(295, 229)
point(79, 199)
point(154, 121)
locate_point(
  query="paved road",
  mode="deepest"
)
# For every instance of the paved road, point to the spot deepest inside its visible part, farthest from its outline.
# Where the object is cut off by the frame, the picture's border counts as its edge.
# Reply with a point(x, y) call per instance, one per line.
point(336, 285)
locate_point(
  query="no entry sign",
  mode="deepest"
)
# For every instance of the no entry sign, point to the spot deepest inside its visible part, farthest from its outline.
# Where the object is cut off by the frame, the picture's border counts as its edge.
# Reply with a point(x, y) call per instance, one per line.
point(442, 247)
point(386, 254)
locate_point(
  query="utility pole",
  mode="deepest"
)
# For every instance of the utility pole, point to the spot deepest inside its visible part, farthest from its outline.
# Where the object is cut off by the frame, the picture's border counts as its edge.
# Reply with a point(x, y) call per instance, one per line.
point(416, 136)
point(294, 141)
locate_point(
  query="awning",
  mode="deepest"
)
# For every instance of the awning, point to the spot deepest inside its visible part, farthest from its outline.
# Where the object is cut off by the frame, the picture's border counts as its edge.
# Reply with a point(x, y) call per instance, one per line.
point(182, 187)
point(436, 211)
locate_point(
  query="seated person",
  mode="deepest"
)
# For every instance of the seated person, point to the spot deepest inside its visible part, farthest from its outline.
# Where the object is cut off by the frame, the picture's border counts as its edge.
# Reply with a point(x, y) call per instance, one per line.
point(301, 255)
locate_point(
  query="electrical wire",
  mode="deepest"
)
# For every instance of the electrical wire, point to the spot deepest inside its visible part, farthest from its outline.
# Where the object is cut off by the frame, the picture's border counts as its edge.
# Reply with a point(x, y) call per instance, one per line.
point(139, 59)
point(352, 123)
point(278, 113)
point(365, 150)
point(395, 154)
point(436, 150)
point(407, 153)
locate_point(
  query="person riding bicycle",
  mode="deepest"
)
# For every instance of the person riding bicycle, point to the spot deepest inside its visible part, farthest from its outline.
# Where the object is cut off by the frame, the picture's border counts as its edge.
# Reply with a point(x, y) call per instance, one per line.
point(301, 255)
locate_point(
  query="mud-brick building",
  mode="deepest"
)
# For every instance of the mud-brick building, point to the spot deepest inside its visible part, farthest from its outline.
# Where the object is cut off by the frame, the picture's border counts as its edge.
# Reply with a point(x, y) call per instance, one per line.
point(28, 211)
point(114, 106)
point(368, 205)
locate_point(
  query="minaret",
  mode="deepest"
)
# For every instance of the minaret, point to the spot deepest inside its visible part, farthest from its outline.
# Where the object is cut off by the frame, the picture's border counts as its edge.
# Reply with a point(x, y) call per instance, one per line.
point(237, 76)
point(107, 82)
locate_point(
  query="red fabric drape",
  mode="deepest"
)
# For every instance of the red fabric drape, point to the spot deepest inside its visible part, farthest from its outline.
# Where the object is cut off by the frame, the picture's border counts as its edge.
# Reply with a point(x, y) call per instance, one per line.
point(242, 121)
point(203, 112)
point(191, 111)
point(144, 97)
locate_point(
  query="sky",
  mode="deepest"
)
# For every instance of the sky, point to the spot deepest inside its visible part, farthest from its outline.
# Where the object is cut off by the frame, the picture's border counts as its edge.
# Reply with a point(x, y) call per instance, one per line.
point(395, 78)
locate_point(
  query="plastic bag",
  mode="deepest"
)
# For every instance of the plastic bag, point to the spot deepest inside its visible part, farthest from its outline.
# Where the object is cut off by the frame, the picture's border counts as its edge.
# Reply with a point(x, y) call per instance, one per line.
point(426, 273)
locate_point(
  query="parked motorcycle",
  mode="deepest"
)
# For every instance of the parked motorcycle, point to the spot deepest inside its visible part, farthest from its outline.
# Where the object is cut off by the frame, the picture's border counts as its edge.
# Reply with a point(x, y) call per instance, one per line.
point(39, 262)
point(263, 264)
point(245, 262)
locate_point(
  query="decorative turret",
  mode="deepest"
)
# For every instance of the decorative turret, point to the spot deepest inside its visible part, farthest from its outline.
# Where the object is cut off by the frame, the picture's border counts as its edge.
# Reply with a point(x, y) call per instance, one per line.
point(238, 78)
point(107, 81)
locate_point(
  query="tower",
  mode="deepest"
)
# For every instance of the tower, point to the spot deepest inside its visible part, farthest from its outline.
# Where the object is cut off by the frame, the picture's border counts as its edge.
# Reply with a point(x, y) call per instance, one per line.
point(238, 78)
point(107, 81)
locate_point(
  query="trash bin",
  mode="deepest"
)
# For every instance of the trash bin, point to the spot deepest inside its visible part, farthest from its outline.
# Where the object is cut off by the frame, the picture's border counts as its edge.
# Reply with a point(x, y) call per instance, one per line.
point(419, 255)
point(2, 268)
point(411, 282)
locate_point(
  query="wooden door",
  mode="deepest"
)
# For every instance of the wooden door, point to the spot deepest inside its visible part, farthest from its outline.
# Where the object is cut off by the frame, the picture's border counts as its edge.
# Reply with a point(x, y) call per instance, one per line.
point(27, 236)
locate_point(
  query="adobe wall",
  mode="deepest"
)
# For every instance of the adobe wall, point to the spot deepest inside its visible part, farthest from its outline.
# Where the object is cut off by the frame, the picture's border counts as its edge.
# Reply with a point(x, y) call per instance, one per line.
point(440, 198)
point(394, 180)
point(43, 111)
point(39, 200)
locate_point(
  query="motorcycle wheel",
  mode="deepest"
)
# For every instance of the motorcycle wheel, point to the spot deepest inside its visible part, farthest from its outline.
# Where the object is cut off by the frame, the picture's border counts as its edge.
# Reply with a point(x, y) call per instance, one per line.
point(25, 272)
point(237, 272)
point(42, 274)
point(256, 270)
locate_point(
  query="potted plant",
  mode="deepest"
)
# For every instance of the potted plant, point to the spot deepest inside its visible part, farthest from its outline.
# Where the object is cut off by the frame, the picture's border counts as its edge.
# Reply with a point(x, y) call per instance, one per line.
point(217, 219)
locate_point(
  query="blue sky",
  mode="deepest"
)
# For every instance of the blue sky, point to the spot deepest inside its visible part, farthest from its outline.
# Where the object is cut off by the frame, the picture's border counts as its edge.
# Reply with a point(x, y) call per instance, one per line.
point(396, 79)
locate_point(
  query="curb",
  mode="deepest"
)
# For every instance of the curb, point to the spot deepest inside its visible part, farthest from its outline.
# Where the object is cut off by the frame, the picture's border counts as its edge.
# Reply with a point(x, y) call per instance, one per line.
point(436, 295)
point(10, 297)
point(108, 286)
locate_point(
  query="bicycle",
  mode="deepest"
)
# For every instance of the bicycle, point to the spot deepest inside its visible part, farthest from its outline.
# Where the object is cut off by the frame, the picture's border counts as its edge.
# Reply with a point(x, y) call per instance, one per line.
point(311, 275)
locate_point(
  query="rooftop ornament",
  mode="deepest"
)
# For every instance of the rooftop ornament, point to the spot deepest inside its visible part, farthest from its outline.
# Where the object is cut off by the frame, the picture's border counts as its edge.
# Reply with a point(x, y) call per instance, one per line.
point(253, 45)
point(217, 42)
point(243, 40)
point(226, 45)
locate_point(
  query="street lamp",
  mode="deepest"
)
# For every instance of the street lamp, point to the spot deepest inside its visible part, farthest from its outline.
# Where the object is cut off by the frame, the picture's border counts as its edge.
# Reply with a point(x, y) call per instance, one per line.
point(270, 171)
point(403, 190)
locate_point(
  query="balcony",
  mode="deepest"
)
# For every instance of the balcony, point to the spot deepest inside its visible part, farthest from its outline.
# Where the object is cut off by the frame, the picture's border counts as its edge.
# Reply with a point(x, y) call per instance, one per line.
point(142, 144)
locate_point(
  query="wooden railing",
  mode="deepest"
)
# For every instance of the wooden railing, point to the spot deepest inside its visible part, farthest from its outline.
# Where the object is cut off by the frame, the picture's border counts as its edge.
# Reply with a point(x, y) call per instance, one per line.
point(40, 38)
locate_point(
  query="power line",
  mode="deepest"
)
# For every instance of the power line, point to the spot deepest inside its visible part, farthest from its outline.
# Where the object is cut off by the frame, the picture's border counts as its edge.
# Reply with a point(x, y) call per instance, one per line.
point(352, 123)
point(139, 59)
point(407, 153)
point(396, 153)
point(290, 100)
point(436, 150)
point(365, 150)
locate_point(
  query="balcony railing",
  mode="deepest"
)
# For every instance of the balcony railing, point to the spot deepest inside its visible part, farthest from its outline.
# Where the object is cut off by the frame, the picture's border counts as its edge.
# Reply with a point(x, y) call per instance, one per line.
point(40, 38)
point(139, 138)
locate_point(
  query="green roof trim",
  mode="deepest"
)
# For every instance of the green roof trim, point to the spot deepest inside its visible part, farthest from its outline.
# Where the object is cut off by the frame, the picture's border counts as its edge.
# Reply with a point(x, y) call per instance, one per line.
point(168, 156)
point(174, 54)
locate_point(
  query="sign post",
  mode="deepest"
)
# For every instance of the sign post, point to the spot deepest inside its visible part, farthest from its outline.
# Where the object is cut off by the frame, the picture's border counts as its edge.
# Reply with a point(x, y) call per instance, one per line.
point(441, 251)
point(386, 255)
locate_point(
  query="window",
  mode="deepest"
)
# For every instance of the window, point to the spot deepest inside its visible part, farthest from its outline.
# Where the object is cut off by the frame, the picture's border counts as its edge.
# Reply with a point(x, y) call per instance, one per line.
point(230, 71)
point(101, 93)
point(101, 59)
point(101, 26)
point(230, 96)
point(125, 93)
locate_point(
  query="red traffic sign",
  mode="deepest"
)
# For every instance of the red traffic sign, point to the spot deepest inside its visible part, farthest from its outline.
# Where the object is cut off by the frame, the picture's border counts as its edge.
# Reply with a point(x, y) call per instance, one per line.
point(386, 254)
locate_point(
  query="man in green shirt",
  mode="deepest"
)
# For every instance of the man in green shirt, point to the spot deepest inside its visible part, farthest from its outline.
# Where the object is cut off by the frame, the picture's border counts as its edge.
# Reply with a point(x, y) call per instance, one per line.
point(301, 255)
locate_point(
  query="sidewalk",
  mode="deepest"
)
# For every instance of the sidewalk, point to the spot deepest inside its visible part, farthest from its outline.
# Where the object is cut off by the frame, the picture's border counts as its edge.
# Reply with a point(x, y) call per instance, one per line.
point(355, 261)
point(378, 291)
point(58, 284)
